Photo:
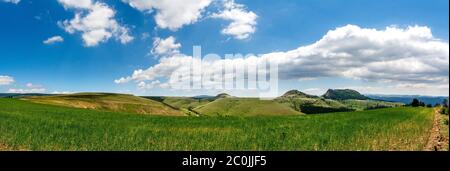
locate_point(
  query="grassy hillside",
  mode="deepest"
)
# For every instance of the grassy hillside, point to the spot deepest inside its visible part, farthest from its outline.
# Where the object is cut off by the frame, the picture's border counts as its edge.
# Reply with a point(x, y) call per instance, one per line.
point(297, 94)
point(369, 104)
point(310, 104)
point(244, 107)
point(313, 105)
point(344, 94)
point(109, 102)
point(30, 126)
point(185, 102)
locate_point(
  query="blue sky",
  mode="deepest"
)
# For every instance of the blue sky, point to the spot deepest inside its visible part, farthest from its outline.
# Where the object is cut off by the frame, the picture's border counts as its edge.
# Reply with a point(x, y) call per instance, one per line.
point(281, 26)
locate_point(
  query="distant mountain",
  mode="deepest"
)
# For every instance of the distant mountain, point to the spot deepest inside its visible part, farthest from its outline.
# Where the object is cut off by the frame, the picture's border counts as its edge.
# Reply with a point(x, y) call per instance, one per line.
point(204, 97)
point(344, 94)
point(310, 104)
point(406, 99)
point(18, 95)
point(297, 94)
point(223, 95)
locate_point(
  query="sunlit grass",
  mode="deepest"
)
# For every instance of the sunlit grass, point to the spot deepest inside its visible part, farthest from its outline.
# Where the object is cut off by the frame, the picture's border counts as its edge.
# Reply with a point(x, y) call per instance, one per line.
point(25, 125)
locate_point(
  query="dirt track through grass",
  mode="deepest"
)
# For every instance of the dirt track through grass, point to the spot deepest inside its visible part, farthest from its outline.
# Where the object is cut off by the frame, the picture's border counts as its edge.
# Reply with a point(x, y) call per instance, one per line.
point(437, 140)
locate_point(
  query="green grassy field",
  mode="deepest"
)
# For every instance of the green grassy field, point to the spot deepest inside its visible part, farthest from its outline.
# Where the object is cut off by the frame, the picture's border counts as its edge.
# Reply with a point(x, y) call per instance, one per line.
point(245, 107)
point(29, 126)
point(185, 102)
point(109, 102)
point(360, 105)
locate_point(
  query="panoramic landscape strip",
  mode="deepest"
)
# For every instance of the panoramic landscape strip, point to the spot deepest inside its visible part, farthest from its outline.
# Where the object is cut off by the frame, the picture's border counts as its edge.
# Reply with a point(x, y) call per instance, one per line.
point(293, 122)
point(210, 76)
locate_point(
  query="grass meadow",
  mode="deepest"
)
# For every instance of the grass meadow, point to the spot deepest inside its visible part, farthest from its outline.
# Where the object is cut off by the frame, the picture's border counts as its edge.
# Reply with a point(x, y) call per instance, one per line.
point(30, 126)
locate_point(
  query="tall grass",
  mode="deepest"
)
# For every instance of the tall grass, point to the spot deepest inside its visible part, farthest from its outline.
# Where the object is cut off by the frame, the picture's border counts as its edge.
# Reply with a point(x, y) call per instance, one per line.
point(29, 126)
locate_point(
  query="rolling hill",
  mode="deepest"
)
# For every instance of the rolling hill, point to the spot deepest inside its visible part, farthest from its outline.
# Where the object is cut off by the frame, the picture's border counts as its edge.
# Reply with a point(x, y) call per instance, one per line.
point(332, 101)
point(344, 94)
point(310, 104)
point(184, 104)
point(32, 126)
point(108, 102)
point(360, 105)
point(297, 94)
point(245, 107)
point(293, 102)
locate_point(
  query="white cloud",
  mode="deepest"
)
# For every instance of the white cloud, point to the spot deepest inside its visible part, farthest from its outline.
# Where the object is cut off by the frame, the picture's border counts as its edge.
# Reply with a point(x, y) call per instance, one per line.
point(164, 69)
point(243, 22)
point(315, 91)
point(145, 36)
point(404, 89)
point(30, 85)
point(164, 47)
point(63, 92)
point(143, 85)
point(29, 88)
point(81, 4)
point(53, 39)
point(24, 91)
point(12, 1)
point(398, 56)
point(95, 21)
point(172, 14)
point(6, 80)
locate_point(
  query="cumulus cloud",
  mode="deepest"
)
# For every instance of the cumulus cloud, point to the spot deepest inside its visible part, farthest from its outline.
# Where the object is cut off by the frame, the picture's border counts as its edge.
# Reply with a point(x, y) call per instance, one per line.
point(29, 88)
point(165, 68)
point(80, 4)
point(6, 80)
point(164, 47)
point(12, 1)
point(143, 85)
point(398, 56)
point(24, 91)
point(404, 88)
point(145, 36)
point(315, 91)
point(172, 14)
point(54, 39)
point(63, 92)
point(243, 22)
point(95, 21)
point(31, 85)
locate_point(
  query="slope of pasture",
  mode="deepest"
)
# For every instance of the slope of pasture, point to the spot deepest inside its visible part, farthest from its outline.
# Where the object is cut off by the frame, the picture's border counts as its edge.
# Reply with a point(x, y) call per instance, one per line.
point(185, 102)
point(369, 104)
point(31, 126)
point(313, 105)
point(245, 107)
point(109, 102)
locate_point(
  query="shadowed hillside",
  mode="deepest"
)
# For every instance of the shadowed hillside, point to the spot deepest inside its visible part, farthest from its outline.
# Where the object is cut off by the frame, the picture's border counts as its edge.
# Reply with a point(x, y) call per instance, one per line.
point(109, 102)
point(332, 101)
point(344, 94)
point(184, 104)
point(310, 104)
